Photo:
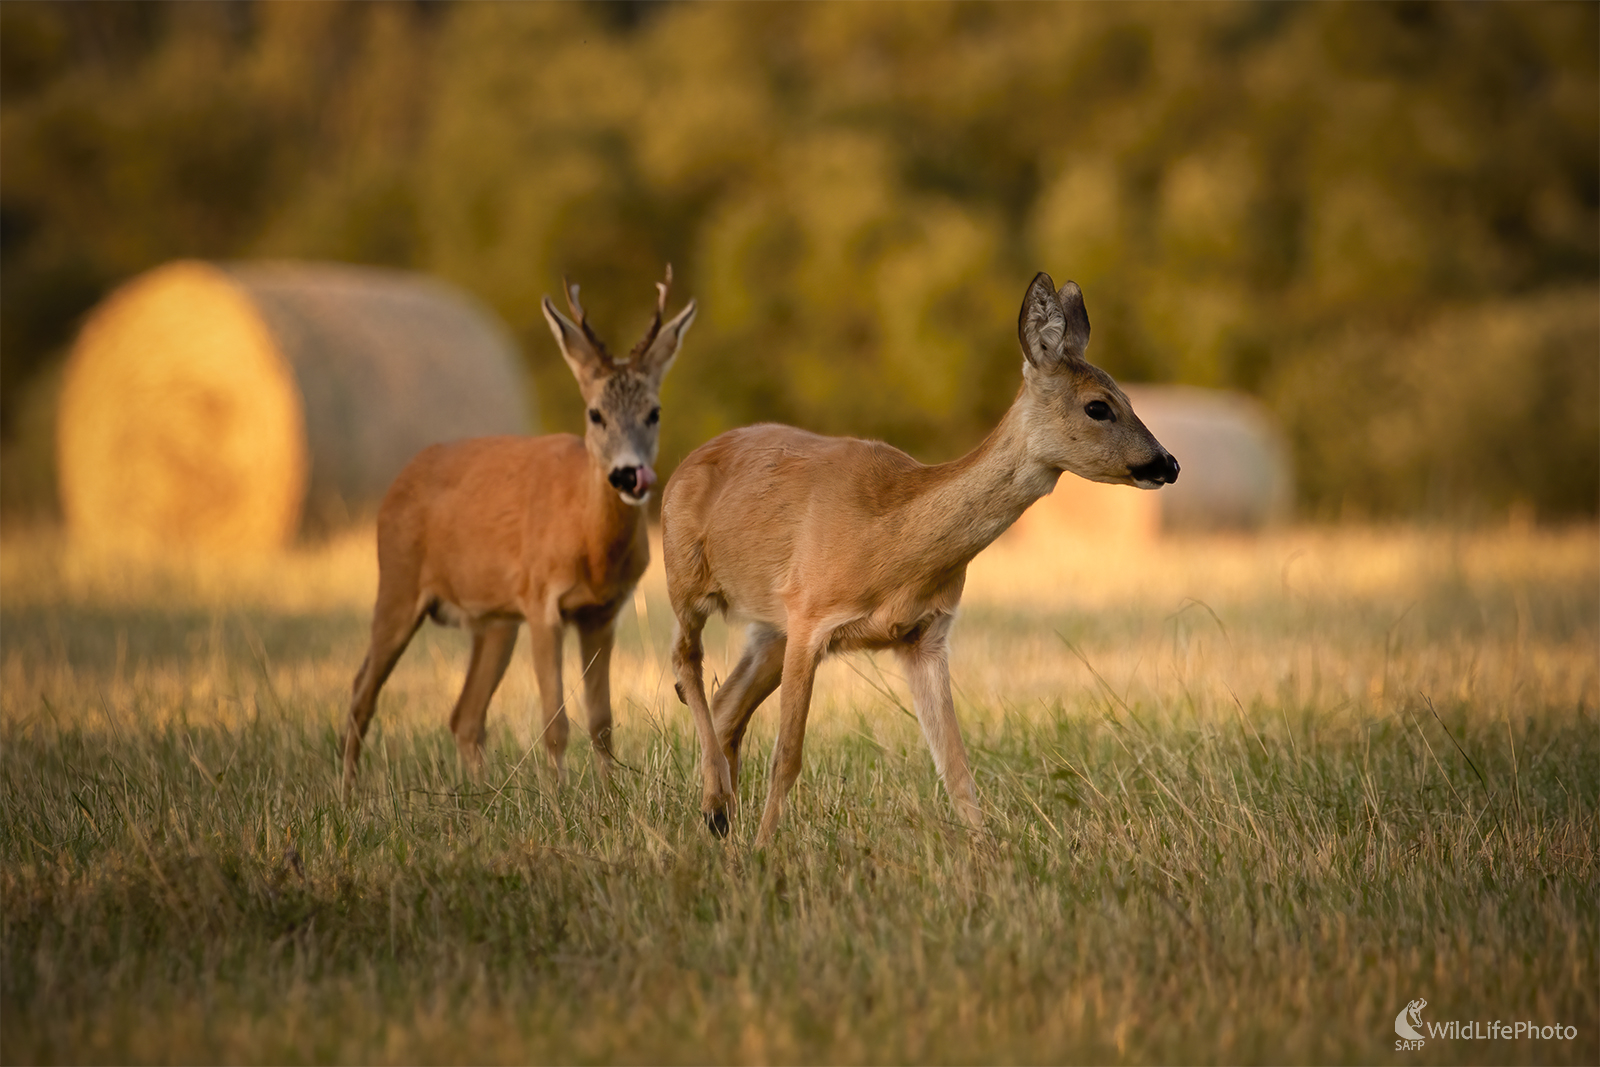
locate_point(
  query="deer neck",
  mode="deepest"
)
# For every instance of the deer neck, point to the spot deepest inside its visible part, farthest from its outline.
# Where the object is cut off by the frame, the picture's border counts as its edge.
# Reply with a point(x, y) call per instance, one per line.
point(970, 501)
point(615, 520)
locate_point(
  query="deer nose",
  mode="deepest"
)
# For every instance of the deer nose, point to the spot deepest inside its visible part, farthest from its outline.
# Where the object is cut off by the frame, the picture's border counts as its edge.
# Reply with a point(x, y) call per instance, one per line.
point(1162, 469)
point(635, 481)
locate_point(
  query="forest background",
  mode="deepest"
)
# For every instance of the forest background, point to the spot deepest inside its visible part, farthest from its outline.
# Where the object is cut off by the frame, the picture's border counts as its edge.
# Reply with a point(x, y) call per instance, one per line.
point(1383, 220)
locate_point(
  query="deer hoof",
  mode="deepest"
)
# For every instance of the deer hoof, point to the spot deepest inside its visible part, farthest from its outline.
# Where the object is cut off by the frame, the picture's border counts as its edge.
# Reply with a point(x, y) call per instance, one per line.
point(717, 823)
point(677, 687)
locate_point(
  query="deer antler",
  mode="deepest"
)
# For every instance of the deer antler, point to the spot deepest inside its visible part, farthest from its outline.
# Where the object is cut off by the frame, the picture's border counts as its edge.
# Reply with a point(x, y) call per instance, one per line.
point(661, 309)
point(578, 313)
point(661, 293)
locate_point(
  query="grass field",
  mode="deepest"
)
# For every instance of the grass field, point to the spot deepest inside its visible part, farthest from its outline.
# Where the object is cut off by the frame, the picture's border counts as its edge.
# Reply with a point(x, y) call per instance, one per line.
point(1246, 799)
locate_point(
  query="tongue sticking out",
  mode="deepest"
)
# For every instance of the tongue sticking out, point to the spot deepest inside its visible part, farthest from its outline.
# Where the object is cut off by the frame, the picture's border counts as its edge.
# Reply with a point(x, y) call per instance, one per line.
point(633, 482)
point(644, 481)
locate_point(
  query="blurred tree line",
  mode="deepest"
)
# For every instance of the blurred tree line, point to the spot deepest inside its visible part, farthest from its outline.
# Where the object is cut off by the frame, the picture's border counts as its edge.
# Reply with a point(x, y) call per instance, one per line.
point(1382, 219)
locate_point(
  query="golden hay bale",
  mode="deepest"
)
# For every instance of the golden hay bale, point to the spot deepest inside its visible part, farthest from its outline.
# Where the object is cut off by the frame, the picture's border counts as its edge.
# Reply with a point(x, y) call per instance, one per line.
point(1236, 475)
point(230, 406)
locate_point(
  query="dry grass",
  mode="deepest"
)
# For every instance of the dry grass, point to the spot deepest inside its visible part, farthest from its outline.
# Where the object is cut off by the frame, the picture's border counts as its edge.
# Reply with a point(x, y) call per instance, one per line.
point(1247, 799)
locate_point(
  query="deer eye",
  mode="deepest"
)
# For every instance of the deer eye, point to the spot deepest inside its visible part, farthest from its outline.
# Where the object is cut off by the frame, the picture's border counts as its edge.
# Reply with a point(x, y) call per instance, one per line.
point(654, 416)
point(1099, 411)
point(596, 418)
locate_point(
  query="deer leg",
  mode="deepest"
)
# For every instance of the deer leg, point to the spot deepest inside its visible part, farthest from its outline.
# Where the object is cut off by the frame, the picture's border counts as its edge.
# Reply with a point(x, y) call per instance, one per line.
point(927, 665)
point(394, 623)
point(759, 670)
point(595, 643)
point(688, 656)
point(492, 645)
point(800, 658)
point(545, 638)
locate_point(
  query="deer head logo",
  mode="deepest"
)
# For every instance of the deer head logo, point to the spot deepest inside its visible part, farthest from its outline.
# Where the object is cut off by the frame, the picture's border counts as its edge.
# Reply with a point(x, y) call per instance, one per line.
point(1407, 1024)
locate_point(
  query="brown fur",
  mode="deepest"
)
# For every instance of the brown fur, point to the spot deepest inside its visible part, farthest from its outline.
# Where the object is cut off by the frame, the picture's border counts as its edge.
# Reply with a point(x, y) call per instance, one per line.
point(823, 545)
point(492, 532)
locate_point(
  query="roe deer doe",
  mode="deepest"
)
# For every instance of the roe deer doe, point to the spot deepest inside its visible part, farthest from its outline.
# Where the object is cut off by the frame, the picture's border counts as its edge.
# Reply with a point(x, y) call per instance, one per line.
point(490, 532)
point(831, 544)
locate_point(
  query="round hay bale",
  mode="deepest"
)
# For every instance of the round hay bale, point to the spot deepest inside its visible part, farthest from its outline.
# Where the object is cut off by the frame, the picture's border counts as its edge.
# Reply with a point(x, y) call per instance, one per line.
point(1236, 475)
point(231, 406)
point(1079, 511)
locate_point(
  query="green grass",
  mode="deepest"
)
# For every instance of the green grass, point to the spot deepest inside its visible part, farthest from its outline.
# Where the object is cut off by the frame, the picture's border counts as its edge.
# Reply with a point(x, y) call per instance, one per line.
point(1243, 807)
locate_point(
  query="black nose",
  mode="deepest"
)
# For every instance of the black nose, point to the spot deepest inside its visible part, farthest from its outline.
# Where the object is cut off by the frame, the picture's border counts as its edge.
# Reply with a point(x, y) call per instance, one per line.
point(625, 478)
point(1163, 468)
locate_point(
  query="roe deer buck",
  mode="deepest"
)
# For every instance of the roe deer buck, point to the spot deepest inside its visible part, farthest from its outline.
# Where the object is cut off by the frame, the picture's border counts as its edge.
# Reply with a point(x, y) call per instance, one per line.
point(489, 532)
point(831, 544)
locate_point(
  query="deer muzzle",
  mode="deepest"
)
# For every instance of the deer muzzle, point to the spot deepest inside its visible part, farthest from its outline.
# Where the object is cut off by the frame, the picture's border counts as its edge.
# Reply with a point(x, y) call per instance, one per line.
point(1163, 470)
point(633, 482)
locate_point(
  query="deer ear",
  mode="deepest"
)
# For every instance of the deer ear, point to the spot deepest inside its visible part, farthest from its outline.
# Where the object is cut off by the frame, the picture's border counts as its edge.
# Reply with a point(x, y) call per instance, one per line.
point(1041, 325)
point(586, 362)
point(664, 348)
point(1075, 340)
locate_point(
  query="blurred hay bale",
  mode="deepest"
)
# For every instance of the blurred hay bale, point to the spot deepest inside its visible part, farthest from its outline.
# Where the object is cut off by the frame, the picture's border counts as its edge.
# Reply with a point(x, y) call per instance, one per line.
point(1084, 512)
point(1236, 475)
point(232, 406)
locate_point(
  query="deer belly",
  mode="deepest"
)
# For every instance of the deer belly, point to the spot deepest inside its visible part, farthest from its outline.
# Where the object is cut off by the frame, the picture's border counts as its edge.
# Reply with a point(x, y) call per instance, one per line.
point(449, 613)
point(870, 633)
